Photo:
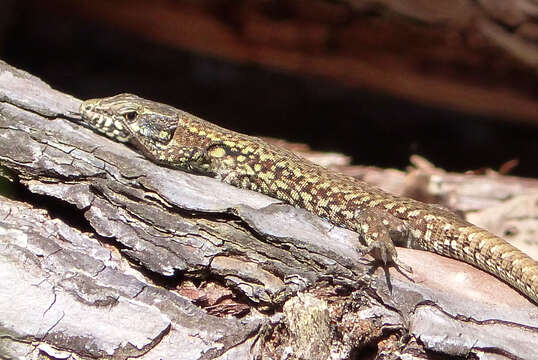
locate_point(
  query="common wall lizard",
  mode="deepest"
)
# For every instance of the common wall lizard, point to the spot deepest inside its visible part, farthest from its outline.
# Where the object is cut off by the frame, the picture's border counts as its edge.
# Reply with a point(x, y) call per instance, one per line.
point(174, 138)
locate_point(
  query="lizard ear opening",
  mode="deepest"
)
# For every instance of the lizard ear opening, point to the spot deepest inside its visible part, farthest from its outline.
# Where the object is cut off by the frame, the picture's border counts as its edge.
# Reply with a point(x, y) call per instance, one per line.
point(162, 135)
point(171, 131)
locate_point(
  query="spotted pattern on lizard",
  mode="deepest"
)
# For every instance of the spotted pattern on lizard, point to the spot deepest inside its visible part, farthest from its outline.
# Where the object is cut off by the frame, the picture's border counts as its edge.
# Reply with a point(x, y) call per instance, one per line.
point(174, 138)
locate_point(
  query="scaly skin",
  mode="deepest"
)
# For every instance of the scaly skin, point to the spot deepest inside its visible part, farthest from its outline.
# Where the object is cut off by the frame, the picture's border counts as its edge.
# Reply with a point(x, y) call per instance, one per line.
point(179, 140)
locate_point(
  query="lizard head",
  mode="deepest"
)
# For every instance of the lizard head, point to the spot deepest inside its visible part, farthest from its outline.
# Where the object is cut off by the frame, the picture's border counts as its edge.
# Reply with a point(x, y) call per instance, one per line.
point(129, 118)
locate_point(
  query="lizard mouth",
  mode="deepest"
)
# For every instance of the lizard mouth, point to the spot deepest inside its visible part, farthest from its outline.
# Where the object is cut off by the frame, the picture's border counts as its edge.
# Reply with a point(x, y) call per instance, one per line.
point(99, 120)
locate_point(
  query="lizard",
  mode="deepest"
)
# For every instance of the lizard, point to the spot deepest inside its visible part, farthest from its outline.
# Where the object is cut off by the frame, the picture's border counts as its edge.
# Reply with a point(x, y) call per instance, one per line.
point(177, 139)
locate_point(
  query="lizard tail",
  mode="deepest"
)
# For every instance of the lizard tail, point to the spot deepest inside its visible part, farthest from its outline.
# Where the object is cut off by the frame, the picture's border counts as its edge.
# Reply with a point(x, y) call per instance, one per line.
point(501, 259)
point(493, 254)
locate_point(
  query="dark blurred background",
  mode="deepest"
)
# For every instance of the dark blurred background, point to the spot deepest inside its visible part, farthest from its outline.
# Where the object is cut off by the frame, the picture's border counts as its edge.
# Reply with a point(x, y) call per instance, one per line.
point(373, 82)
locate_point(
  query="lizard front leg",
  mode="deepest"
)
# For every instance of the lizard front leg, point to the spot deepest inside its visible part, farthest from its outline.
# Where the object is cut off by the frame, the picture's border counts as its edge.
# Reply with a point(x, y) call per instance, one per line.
point(193, 159)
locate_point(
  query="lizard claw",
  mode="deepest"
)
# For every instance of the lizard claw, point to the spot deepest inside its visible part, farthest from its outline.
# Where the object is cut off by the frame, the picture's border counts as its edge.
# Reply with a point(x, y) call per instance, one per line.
point(377, 235)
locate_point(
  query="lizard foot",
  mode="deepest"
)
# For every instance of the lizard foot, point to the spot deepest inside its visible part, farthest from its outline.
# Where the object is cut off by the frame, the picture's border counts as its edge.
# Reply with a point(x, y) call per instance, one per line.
point(377, 230)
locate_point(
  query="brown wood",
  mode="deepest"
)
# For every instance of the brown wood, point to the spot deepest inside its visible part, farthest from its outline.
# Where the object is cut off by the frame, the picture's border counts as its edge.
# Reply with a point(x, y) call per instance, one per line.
point(476, 56)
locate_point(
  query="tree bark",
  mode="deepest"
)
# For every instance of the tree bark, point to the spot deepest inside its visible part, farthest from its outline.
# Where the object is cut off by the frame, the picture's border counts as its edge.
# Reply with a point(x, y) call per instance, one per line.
point(104, 254)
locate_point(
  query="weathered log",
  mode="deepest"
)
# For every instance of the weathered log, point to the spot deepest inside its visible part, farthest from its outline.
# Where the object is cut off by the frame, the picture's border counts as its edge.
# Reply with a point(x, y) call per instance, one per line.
point(151, 262)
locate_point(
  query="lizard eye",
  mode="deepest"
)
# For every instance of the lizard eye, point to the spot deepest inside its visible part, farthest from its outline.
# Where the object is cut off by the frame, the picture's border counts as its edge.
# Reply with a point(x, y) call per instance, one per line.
point(131, 115)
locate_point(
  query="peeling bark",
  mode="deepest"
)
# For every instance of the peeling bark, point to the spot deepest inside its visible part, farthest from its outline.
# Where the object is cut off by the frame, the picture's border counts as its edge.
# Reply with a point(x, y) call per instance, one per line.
point(155, 263)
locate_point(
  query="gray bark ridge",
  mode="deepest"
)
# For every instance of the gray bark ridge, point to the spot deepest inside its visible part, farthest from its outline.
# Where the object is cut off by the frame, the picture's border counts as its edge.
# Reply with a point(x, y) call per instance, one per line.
point(102, 289)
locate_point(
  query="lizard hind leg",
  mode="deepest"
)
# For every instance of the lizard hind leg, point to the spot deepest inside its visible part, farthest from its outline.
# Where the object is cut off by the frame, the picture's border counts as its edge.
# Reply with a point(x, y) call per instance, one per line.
point(379, 230)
